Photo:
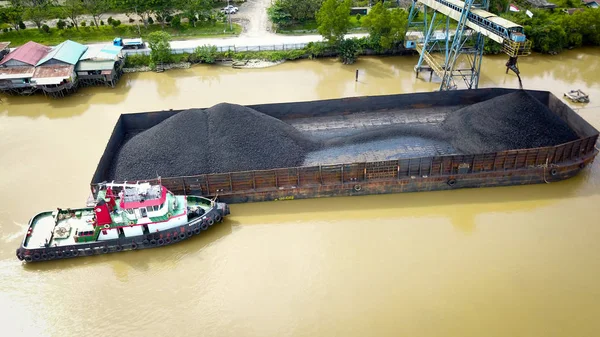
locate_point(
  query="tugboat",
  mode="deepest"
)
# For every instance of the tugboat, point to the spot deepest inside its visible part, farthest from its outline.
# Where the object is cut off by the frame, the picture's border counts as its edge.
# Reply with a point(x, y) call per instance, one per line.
point(124, 217)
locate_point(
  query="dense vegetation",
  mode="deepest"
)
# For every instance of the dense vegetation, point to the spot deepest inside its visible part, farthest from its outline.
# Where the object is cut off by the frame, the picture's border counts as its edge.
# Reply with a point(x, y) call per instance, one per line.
point(553, 31)
point(180, 17)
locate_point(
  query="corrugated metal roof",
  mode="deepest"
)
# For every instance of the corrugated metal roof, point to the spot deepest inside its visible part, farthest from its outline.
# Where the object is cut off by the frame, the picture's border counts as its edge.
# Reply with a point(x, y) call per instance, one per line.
point(16, 72)
point(106, 52)
point(95, 65)
point(53, 71)
point(67, 52)
point(29, 53)
point(503, 22)
point(482, 13)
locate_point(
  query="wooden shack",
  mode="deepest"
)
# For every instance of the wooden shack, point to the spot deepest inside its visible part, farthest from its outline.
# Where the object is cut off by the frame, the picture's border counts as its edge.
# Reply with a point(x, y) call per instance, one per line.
point(17, 68)
point(55, 73)
point(100, 65)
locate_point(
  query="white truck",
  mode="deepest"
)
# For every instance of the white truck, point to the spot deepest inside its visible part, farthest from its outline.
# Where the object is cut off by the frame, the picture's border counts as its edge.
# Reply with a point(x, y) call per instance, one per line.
point(129, 43)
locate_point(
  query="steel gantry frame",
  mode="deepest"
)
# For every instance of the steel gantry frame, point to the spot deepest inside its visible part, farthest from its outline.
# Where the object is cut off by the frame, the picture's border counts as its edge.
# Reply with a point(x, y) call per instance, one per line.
point(463, 48)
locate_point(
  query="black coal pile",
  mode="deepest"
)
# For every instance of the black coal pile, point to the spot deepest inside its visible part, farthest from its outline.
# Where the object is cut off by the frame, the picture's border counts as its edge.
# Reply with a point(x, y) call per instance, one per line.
point(512, 121)
point(223, 138)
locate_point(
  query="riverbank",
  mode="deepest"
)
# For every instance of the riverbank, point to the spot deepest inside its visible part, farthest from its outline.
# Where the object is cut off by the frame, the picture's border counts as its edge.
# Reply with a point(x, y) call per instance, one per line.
point(87, 34)
point(312, 50)
point(240, 64)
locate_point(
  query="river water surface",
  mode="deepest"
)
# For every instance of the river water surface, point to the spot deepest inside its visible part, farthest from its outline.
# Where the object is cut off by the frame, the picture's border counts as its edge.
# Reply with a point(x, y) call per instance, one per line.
point(510, 261)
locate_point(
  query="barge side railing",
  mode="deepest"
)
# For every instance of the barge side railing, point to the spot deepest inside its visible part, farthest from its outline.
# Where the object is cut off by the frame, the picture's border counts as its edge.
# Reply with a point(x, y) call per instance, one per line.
point(423, 167)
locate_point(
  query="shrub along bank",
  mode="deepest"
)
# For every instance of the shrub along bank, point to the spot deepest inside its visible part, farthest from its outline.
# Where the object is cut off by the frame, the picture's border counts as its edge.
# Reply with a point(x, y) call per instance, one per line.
point(210, 54)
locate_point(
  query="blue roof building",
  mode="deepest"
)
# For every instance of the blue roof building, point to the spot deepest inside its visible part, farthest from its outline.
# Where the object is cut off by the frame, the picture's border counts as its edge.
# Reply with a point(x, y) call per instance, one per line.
point(66, 53)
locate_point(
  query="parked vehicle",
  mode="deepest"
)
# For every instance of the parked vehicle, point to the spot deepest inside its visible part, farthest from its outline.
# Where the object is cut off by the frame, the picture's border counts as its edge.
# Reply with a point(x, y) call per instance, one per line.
point(230, 9)
point(129, 43)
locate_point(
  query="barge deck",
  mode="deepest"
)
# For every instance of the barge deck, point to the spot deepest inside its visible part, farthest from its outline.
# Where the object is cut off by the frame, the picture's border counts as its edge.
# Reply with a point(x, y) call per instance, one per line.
point(391, 165)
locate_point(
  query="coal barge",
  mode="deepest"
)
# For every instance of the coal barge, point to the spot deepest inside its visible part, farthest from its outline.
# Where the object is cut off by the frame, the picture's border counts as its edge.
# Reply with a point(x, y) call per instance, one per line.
point(124, 216)
point(409, 163)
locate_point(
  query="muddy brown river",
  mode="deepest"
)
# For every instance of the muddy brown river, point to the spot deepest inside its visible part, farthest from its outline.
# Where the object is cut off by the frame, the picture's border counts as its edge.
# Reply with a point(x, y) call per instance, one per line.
point(508, 261)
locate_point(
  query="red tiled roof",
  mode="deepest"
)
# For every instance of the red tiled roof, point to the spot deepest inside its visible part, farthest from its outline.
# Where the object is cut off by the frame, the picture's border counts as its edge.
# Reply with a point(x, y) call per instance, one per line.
point(29, 53)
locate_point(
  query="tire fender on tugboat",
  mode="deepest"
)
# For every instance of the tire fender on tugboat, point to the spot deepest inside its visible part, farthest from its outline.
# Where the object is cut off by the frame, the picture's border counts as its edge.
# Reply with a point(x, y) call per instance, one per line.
point(19, 256)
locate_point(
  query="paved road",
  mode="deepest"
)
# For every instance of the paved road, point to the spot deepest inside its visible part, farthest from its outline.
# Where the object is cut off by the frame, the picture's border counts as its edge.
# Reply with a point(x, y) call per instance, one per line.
point(252, 41)
point(243, 41)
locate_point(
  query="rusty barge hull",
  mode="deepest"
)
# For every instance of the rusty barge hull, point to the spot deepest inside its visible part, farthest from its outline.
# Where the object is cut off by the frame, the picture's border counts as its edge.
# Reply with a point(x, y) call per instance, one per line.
point(405, 174)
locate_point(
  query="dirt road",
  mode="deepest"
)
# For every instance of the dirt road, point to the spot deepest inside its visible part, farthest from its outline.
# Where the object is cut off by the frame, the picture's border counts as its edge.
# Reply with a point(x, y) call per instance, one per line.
point(253, 16)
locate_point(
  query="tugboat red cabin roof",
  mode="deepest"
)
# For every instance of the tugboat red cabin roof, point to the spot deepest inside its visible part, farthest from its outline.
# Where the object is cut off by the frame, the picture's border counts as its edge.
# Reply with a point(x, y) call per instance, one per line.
point(145, 202)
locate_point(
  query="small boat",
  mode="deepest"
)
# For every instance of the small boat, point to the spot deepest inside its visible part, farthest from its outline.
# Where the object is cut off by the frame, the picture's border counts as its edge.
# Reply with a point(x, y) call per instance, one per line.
point(123, 216)
point(577, 96)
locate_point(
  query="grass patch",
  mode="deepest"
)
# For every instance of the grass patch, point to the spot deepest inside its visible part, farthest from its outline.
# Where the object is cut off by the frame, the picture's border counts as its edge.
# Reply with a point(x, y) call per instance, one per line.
point(107, 34)
point(273, 55)
point(134, 60)
point(310, 27)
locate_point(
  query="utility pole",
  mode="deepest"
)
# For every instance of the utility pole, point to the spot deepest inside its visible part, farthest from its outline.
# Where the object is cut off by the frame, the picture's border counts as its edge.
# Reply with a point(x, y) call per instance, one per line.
point(138, 23)
point(229, 15)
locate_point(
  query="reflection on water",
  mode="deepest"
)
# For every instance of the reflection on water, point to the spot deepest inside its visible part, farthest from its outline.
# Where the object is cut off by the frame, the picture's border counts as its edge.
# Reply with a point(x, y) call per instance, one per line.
point(510, 261)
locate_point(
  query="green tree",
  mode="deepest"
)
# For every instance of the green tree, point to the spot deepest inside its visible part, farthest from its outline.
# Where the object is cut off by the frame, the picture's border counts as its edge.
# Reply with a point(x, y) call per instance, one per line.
point(498, 6)
point(139, 8)
point(385, 26)
point(160, 47)
point(295, 10)
point(163, 9)
point(545, 29)
point(35, 11)
point(348, 51)
point(72, 9)
point(278, 14)
point(197, 10)
point(60, 24)
point(13, 15)
point(96, 8)
point(334, 20)
point(583, 27)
